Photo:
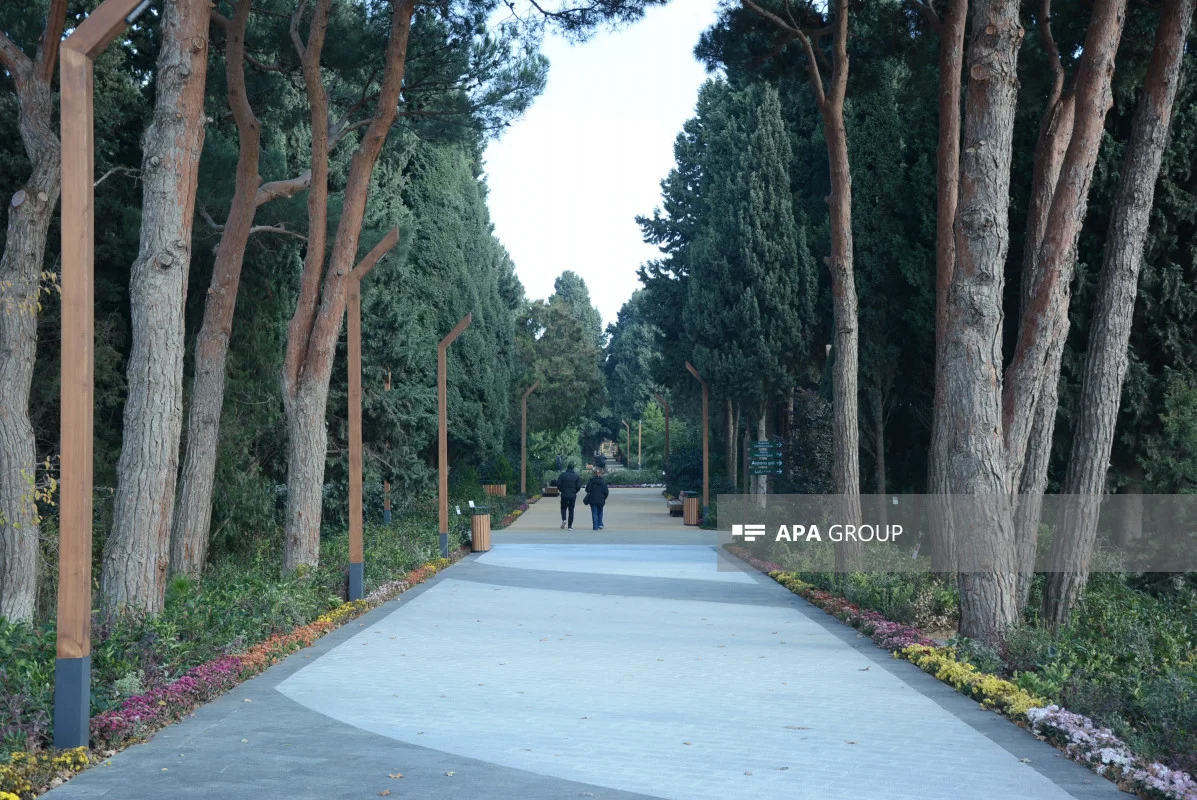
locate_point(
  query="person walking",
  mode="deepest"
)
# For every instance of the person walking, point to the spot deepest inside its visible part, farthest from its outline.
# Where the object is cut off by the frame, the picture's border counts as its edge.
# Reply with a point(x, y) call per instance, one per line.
point(596, 498)
point(569, 483)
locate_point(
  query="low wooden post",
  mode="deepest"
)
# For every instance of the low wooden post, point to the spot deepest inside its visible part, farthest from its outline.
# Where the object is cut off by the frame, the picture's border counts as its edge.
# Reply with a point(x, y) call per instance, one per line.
point(72, 666)
point(524, 438)
point(386, 503)
point(706, 435)
point(639, 444)
point(442, 430)
point(354, 312)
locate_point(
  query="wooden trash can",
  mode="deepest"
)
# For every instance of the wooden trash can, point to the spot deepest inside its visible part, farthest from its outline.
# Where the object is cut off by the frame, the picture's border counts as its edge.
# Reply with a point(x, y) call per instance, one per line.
point(691, 511)
point(480, 530)
point(495, 489)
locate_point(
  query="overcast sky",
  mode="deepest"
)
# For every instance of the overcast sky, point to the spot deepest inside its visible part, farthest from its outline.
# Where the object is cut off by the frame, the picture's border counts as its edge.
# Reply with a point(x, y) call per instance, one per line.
point(568, 179)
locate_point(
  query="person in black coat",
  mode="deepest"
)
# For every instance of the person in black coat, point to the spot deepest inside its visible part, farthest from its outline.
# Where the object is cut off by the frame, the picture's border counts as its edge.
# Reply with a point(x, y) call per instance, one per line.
point(596, 498)
point(569, 483)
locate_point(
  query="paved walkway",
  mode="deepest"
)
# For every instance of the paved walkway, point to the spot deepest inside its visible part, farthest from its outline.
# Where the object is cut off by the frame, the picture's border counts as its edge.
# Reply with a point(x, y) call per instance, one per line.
point(618, 664)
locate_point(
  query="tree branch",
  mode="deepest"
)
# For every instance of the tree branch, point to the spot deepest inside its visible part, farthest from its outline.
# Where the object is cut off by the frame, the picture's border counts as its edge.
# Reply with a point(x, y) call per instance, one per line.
point(12, 59)
point(276, 229)
point(285, 188)
point(925, 8)
point(812, 61)
point(47, 48)
point(117, 170)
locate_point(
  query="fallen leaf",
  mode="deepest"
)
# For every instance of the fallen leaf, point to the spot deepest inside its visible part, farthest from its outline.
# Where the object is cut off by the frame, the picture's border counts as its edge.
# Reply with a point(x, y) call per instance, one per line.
point(781, 769)
point(395, 775)
point(245, 741)
point(849, 741)
point(796, 728)
point(384, 792)
point(864, 669)
point(164, 769)
point(686, 743)
point(747, 773)
point(1024, 761)
point(247, 700)
point(449, 773)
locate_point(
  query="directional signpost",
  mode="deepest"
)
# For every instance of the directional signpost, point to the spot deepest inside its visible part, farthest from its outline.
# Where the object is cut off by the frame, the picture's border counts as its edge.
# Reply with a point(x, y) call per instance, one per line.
point(764, 458)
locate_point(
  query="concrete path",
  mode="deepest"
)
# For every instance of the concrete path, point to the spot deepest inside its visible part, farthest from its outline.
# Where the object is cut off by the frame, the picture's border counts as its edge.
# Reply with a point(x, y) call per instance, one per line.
point(617, 664)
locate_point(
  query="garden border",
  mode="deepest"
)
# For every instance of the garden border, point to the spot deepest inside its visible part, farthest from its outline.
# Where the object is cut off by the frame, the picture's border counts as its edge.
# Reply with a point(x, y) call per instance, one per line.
point(1077, 739)
point(28, 775)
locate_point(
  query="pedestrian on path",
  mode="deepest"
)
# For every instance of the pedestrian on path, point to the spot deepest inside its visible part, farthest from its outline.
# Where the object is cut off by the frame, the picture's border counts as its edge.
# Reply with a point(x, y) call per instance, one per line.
point(596, 498)
point(569, 483)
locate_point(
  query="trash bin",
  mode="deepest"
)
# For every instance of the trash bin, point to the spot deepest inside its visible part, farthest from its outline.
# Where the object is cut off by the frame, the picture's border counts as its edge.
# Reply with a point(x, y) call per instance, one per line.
point(480, 529)
point(691, 512)
point(495, 489)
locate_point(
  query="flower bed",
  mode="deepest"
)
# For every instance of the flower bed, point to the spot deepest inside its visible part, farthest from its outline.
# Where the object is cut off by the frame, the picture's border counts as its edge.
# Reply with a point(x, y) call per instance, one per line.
point(513, 516)
point(29, 774)
point(1077, 735)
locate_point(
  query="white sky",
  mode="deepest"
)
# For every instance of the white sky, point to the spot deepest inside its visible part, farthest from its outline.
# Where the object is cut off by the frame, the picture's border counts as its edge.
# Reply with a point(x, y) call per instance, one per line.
point(568, 179)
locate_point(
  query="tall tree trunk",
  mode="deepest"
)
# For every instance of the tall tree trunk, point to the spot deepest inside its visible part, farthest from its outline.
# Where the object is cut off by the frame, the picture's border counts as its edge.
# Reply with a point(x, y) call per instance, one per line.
point(193, 510)
point(879, 439)
point(1106, 359)
point(1055, 132)
point(314, 328)
point(845, 424)
point(1130, 524)
point(729, 451)
point(760, 483)
point(137, 552)
point(972, 357)
point(1046, 316)
point(951, 59)
point(29, 214)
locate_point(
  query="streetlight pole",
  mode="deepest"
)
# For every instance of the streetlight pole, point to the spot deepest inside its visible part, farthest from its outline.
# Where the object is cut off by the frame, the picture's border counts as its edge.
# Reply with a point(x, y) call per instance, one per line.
point(442, 407)
point(524, 438)
point(72, 667)
point(354, 312)
point(706, 432)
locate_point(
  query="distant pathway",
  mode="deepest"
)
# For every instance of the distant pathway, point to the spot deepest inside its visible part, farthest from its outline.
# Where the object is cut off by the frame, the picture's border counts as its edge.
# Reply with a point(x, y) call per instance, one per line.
point(617, 664)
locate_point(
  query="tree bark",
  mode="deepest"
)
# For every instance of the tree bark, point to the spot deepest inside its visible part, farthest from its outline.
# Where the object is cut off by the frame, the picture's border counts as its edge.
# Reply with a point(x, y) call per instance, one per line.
point(951, 59)
point(1055, 132)
point(1046, 316)
point(972, 356)
point(314, 328)
point(729, 450)
point(193, 510)
point(136, 554)
point(29, 214)
point(760, 483)
point(845, 423)
point(1106, 359)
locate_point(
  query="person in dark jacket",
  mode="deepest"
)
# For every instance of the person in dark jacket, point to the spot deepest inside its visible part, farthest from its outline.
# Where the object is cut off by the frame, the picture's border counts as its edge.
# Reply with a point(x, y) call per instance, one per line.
point(569, 483)
point(596, 498)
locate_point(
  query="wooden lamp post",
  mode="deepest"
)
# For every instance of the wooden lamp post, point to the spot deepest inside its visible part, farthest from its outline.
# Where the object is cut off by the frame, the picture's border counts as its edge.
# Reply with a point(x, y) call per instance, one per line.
point(524, 438)
point(639, 444)
point(706, 428)
point(442, 431)
point(354, 312)
point(72, 667)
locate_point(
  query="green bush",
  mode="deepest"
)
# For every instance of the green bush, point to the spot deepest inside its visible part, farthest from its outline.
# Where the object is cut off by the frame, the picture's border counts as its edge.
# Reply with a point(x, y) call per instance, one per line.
point(239, 601)
point(625, 477)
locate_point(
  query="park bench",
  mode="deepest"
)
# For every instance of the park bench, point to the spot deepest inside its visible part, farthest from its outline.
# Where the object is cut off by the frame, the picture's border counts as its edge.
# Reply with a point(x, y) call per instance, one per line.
point(675, 507)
